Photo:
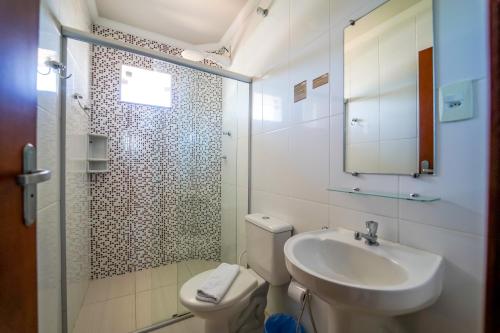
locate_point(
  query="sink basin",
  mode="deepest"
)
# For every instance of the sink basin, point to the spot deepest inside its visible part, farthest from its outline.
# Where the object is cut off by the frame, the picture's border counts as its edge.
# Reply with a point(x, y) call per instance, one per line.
point(389, 279)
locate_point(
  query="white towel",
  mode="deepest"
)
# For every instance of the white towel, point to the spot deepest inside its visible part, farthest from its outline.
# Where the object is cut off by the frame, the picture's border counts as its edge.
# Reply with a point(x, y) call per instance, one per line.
point(217, 283)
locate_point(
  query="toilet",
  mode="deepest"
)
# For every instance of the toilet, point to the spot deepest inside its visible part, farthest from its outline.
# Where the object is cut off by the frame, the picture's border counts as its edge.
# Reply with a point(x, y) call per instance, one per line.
point(242, 308)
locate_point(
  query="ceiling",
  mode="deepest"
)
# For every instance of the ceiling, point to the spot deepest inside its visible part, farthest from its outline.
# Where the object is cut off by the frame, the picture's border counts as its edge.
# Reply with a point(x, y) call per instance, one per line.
point(189, 21)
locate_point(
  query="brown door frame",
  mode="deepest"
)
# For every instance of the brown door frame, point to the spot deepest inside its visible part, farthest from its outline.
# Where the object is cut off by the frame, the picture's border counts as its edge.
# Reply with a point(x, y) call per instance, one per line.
point(492, 312)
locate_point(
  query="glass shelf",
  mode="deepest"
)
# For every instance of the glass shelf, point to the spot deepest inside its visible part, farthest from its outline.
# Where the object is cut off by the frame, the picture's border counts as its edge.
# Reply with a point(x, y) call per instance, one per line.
point(399, 196)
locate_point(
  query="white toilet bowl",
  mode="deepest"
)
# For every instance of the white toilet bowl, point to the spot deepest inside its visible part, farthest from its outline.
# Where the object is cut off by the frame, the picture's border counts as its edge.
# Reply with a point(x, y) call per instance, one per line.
point(241, 310)
point(219, 317)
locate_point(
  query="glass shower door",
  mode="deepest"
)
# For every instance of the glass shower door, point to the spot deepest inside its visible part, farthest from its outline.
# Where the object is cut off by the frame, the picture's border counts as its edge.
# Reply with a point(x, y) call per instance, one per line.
point(196, 181)
point(195, 229)
point(212, 225)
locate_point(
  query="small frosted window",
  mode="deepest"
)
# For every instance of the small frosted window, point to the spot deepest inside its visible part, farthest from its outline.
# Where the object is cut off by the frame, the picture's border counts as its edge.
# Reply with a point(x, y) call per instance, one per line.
point(147, 87)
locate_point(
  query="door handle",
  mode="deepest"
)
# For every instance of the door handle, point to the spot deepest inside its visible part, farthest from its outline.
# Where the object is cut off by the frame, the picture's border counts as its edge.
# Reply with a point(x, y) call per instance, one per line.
point(39, 176)
point(28, 180)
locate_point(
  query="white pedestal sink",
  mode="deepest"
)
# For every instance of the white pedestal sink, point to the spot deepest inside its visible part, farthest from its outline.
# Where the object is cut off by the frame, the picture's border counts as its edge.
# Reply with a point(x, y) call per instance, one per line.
point(362, 281)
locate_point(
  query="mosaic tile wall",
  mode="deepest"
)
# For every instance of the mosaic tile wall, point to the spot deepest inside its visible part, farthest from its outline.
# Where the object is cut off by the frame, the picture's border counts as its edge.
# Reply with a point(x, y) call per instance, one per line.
point(161, 201)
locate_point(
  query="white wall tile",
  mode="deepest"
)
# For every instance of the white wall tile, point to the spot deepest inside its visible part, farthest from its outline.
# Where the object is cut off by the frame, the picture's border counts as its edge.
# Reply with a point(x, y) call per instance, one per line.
point(336, 71)
point(275, 205)
point(230, 105)
point(367, 204)
point(243, 110)
point(461, 179)
point(49, 269)
point(355, 220)
point(257, 107)
point(309, 164)
point(461, 154)
point(307, 64)
point(464, 21)
point(270, 162)
point(229, 163)
point(228, 225)
point(276, 99)
point(48, 226)
point(241, 212)
point(308, 20)
point(307, 215)
point(48, 154)
point(49, 39)
point(459, 308)
point(242, 162)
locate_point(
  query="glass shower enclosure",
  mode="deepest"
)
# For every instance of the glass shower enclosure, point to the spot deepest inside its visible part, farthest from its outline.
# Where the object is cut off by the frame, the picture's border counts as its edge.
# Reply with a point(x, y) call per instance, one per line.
point(151, 190)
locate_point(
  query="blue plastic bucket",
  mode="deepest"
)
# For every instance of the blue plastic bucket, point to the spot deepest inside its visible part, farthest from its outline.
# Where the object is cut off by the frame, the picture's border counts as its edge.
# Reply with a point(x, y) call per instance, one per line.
point(281, 323)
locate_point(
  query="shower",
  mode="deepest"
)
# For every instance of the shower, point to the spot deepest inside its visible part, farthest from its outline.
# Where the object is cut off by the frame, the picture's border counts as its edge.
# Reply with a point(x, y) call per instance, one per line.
point(152, 148)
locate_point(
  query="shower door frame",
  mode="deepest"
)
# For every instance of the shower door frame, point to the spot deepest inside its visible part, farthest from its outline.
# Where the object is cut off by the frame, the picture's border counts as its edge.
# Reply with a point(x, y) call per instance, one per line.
point(68, 33)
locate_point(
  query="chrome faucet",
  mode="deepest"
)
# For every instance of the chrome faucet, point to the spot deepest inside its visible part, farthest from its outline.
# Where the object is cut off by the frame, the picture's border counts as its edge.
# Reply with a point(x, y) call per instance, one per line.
point(371, 235)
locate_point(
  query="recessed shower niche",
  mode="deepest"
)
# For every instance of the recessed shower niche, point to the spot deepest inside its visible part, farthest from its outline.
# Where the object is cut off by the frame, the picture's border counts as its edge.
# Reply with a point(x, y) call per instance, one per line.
point(98, 160)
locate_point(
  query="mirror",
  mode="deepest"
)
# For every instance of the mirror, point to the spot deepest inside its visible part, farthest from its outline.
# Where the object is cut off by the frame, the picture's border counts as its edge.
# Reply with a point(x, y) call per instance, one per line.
point(389, 90)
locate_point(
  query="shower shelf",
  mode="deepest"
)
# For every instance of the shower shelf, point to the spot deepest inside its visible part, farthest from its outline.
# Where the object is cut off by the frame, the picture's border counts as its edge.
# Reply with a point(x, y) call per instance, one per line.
point(97, 153)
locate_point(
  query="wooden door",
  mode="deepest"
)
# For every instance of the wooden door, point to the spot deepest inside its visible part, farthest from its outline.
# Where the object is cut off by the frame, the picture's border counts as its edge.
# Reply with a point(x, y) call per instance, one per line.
point(492, 313)
point(18, 101)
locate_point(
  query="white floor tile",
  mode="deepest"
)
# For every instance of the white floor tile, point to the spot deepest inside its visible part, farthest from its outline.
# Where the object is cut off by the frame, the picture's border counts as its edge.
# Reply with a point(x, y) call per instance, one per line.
point(121, 285)
point(128, 302)
point(143, 280)
point(164, 276)
point(156, 305)
point(90, 318)
point(192, 325)
point(97, 291)
point(119, 315)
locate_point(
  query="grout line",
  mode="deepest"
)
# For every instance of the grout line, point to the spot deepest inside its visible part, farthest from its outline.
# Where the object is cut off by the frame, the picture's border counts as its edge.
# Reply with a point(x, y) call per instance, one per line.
point(291, 126)
point(397, 208)
point(464, 233)
point(365, 212)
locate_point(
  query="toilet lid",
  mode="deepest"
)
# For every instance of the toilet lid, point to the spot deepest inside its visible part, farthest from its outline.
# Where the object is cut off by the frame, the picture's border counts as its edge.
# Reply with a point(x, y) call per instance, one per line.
point(244, 284)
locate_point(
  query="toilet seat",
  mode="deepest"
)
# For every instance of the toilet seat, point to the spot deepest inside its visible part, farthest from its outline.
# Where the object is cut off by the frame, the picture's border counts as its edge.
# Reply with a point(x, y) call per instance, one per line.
point(243, 285)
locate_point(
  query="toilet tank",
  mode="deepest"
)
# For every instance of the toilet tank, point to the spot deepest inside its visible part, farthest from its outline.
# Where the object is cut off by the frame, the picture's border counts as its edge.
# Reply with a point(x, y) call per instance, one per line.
point(266, 237)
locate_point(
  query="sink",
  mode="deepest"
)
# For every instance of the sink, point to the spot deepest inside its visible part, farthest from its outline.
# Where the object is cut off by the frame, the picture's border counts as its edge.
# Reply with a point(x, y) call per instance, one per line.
point(386, 280)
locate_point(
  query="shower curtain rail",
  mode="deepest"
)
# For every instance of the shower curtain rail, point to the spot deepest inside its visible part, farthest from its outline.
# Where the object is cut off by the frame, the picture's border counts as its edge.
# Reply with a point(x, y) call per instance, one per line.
point(103, 41)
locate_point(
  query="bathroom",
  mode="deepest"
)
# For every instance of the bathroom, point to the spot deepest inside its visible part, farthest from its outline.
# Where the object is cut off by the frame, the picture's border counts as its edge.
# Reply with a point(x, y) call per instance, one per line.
point(181, 142)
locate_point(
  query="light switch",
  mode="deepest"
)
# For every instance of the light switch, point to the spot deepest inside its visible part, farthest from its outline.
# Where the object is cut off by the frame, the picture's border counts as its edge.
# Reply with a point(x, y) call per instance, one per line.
point(456, 101)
